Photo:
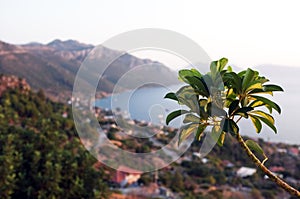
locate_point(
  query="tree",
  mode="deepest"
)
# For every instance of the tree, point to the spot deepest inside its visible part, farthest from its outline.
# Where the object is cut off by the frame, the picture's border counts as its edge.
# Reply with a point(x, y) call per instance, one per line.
point(40, 155)
point(177, 183)
point(218, 100)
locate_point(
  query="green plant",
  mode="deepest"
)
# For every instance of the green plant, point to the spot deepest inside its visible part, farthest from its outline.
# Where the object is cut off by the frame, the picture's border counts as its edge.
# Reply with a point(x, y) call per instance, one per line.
point(218, 100)
point(39, 157)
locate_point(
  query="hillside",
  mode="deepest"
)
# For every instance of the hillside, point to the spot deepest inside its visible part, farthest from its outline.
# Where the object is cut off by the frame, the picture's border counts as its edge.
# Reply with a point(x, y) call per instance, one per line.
point(53, 66)
point(40, 154)
point(42, 157)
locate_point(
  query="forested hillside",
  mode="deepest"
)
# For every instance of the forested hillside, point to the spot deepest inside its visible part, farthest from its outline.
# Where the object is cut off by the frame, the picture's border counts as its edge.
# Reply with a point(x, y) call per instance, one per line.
point(40, 154)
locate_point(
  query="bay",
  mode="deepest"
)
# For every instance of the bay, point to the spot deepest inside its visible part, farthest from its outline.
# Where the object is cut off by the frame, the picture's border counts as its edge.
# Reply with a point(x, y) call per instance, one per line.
point(148, 104)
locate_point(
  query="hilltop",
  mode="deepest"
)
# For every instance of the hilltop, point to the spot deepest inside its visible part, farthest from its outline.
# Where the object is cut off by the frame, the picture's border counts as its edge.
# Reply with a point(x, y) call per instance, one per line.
point(53, 66)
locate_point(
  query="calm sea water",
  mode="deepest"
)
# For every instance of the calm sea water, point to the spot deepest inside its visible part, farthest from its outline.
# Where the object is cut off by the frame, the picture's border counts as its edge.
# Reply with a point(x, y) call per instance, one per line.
point(148, 104)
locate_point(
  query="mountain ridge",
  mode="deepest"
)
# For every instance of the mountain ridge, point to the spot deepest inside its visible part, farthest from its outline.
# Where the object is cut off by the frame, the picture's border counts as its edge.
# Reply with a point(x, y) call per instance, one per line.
point(53, 66)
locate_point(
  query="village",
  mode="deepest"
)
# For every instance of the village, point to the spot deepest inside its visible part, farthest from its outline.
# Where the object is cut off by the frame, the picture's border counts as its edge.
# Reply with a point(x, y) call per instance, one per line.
point(224, 171)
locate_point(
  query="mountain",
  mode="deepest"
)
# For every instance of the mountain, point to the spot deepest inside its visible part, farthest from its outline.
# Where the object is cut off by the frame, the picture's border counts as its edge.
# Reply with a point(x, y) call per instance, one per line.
point(68, 45)
point(53, 66)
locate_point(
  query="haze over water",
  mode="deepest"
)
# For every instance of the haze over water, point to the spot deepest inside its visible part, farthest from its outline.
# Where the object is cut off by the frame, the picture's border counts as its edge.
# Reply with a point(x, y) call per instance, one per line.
point(149, 104)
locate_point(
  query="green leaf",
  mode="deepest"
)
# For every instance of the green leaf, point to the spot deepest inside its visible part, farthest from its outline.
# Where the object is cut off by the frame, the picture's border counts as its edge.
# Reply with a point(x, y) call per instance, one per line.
point(196, 72)
point(187, 96)
point(191, 118)
point(199, 85)
point(232, 80)
point(272, 88)
point(253, 146)
point(254, 85)
point(223, 72)
point(204, 109)
point(231, 95)
point(185, 73)
point(217, 111)
point(207, 81)
point(229, 126)
point(245, 101)
point(234, 127)
point(243, 111)
point(185, 91)
point(222, 63)
point(229, 69)
point(260, 91)
point(263, 114)
point(267, 102)
point(171, 96)
point(233, 106)
point(242, 73)
point(262, 79)
point(214, 67)
point(214, 110)
point(200, 130)
point(225, 125)
point(186, 131)
point(256, 122)
point(266, 89)
point(218, 135)
point(221, 139)
point(248, 78)
point(268, 123)
point(256, 103)
point(203, 102)
point(175, 114)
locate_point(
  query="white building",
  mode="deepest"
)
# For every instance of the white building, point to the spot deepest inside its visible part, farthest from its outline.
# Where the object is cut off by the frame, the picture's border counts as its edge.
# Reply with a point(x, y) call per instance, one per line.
point(245, 172)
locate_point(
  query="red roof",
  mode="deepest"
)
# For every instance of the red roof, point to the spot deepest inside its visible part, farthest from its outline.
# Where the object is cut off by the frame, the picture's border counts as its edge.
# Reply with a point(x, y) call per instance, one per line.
point(293, 150)
point(126, 169)
point(277, 169)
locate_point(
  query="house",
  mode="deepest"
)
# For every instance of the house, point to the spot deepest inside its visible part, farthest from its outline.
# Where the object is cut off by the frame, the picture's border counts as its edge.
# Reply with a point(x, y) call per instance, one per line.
point(277, 174)
point(227, 164)
point(277, 169)
point(245, 172)
point(165, 192)
point(65, 114)
point(281, 150)
point(117, 143)
point(126, 176)
point(291, 180)
point(294, 151)
point(204, 160)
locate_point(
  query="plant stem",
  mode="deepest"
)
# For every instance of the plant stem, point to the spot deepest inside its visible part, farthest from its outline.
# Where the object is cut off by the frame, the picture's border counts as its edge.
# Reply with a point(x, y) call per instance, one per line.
point(270, 174)
point(238, 119)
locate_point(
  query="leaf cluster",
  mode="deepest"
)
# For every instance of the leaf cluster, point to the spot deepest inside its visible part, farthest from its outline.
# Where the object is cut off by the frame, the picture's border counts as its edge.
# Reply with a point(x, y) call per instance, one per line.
point(220, 99)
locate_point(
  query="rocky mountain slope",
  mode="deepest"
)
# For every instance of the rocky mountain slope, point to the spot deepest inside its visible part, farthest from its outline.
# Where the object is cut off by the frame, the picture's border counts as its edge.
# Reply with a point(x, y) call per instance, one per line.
point(53, 66)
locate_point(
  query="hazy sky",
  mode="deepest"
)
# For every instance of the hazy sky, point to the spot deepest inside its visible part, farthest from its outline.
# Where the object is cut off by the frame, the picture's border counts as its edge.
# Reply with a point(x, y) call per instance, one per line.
point(249, 34)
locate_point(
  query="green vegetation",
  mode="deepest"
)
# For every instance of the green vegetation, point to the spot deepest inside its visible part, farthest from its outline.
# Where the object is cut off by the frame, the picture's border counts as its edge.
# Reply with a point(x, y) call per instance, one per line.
point(219, 100)
point(40, 155)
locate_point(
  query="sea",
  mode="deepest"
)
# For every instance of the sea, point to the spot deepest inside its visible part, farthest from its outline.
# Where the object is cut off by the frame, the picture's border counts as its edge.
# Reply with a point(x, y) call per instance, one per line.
point(148, 104)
